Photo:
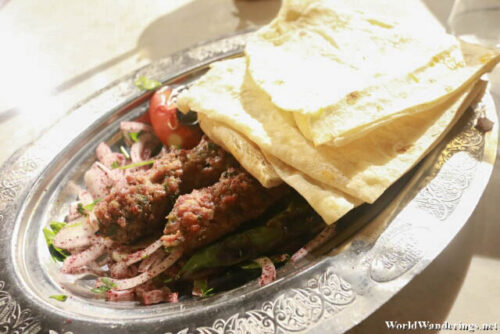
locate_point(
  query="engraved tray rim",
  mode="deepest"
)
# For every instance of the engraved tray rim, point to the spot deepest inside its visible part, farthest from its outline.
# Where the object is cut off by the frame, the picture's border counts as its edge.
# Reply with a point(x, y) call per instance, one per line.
point(373, 266)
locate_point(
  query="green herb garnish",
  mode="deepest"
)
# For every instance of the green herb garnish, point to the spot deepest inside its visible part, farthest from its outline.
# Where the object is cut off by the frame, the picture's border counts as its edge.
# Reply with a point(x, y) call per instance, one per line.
point(207, 293)
point(90, 207)
point(137, 164)
point(125, 153)
point(61, 298)
point(74, 225)
point(108, 285)
point(49, 235)
point(57, 226)
point(250, 266)
point(81, 210)
point(135, 136)
point(57, 254)
point(100, 289)
point(115, 164)
point(144, 83)
point(202, 285)
point(85, 209)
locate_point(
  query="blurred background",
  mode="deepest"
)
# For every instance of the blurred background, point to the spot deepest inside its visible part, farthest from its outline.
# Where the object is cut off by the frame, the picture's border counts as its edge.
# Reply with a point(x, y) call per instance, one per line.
point(55, 53)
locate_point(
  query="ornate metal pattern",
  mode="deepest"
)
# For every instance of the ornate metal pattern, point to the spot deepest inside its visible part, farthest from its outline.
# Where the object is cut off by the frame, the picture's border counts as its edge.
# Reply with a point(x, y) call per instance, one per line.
point(396, 255)
point(293, 311)
point(452, 174)
point(12, 180)
point(14, 319)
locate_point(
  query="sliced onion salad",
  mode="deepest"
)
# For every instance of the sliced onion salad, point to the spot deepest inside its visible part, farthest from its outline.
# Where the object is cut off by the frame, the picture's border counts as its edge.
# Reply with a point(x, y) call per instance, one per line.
point(128, 283)
point(76, 234)
point(76, 261)
point(124, 274)
point(315, 243)
point(268, 270)
point(83, 251)
point(141, 254)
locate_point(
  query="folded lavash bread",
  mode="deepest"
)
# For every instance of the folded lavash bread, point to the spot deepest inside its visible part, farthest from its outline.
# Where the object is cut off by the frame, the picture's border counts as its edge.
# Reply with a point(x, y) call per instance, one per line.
point(247, 153)
point(343, 72)
point(363, 169)
point(328, 202)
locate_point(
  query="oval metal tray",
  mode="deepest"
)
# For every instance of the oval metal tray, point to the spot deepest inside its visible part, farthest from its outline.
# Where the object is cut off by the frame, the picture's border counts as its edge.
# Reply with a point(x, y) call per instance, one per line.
point(379, 248)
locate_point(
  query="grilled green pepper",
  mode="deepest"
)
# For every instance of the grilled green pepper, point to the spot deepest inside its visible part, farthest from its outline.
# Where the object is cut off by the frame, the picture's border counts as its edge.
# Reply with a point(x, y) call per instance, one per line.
point(297, 220)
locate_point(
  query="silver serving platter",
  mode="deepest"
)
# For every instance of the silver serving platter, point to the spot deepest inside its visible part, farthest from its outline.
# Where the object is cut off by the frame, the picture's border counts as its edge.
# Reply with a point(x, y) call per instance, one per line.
point(378, 248)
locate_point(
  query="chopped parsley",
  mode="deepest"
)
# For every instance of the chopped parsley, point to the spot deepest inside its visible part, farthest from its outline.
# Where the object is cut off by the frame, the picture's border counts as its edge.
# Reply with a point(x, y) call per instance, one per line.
point(85, 209)
point(207, 293)
point(56, 253)
point(100, 289)
point(81, 210)
point(250, 266)
point(137, 164)
point(61, 298)
point(202, 286)
point(144, 83)
point(74, 225)
point(135, 136)
point(57, 226)
point(90, 207)
point(125, 154)
point(108, 285)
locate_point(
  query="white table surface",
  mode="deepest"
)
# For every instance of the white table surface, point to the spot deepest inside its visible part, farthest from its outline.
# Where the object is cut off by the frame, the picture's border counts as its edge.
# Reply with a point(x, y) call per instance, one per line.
point(54, 53)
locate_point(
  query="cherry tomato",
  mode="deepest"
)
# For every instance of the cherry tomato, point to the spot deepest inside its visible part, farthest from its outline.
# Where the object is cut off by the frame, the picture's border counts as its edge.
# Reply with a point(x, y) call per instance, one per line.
point(163, 115)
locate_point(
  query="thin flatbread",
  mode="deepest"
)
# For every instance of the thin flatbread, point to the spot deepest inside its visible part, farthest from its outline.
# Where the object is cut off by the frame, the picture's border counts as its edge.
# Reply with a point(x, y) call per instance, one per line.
point(246, 152)
point(364, 168)
point(328, 202)
point(342, 72)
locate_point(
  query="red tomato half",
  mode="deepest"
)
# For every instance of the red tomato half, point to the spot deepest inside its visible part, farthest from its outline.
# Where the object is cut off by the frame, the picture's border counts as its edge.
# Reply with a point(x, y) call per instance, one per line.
point(163, 115)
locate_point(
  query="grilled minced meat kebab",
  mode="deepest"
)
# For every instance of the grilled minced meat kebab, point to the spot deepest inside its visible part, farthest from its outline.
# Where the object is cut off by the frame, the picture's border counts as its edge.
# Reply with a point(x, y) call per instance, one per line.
point(207, 214)
point(138, 209)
